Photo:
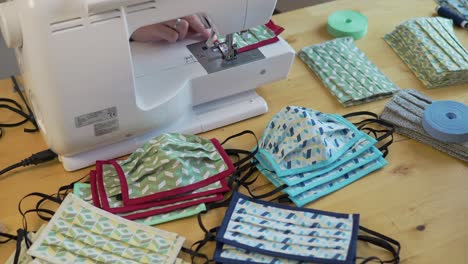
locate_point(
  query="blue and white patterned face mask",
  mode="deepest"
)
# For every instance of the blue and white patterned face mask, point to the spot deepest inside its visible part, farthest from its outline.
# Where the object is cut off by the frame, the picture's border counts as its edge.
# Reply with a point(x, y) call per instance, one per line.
point(255, 231)
point(299, 139)
point(287, 232)
point(356, 157)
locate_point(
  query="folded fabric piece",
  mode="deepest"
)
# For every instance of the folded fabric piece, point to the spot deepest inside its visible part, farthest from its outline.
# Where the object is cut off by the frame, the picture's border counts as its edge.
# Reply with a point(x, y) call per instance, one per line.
point(255, 37)
point(346, 71)
point(431, 50)
point(81, 233)
point(255, 231)
point(310, 154)
point(83, 191)
point(406, 110)
point(170, 172)
point(458, 6)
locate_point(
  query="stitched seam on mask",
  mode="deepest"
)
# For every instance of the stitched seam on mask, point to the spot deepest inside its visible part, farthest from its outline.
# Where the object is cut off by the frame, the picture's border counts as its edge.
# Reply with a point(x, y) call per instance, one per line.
point(379, 164)
point(370, 142)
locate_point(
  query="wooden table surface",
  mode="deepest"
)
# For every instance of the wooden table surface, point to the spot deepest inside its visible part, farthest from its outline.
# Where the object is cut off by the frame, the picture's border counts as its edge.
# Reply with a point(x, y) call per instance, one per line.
point(420, 198)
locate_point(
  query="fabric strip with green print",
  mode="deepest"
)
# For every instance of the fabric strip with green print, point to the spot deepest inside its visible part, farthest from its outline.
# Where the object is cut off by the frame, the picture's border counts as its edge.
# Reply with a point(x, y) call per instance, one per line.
point(431, 50)
point(346, 71)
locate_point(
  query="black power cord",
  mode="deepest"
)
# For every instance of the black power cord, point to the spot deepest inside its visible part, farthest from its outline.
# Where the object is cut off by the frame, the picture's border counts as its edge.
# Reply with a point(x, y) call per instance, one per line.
point(35, 159)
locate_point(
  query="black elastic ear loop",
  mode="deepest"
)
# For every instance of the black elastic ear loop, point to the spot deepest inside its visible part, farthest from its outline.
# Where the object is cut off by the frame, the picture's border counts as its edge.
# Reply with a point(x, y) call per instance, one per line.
point(194, 254)
point(8, 237)
point(250, 154)
point(19, 240)
point(37, 209)
point(361, 125)
point(30, 113)
point(382, 241)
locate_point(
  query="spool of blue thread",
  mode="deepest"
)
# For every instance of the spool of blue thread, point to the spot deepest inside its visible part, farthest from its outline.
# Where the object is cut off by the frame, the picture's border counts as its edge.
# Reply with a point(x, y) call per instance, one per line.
point(446, 121)
point(447, 13)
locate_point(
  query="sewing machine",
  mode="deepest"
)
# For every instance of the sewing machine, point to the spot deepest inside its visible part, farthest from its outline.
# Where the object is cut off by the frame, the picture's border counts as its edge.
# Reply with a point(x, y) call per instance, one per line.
point(98, 96)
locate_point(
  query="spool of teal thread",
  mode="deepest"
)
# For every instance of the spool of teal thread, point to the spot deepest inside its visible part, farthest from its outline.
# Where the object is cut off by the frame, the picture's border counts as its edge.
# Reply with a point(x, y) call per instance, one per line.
point(347, 23)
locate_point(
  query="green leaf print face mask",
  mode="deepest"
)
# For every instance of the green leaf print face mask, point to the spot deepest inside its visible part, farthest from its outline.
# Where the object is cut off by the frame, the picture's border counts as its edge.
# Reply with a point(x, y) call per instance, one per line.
point(170, 172)
point(83, 191)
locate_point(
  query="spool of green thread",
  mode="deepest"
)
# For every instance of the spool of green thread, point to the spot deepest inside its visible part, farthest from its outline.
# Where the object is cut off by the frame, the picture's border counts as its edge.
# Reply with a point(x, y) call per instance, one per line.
point(347, 23)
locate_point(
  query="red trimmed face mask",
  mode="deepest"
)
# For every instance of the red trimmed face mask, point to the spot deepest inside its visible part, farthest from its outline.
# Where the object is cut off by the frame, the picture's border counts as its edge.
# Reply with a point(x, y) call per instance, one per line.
point(170, 172)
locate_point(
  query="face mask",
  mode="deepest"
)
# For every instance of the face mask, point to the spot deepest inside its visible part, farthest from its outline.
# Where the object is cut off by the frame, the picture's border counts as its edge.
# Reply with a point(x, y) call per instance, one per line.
point(289, 232)
point(355, 164)
point(255, 37)
point(431, 50)
point(255, 231)
point(110, 199)
point(299, 140)
point(345, 70)
point(79, 232)
point(177, 163)
point(83, 191)
point(363, 146)
point(406, 110)
point(346, 166)
point(314, 193)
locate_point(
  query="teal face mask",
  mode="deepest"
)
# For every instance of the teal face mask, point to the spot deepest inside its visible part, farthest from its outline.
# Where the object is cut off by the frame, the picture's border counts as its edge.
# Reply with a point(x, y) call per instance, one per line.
point(299, 140)
point(336, 168)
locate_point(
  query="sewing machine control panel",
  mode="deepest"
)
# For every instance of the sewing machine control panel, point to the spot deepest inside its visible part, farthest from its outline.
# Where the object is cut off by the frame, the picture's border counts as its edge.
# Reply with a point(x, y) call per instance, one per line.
point(212, 59)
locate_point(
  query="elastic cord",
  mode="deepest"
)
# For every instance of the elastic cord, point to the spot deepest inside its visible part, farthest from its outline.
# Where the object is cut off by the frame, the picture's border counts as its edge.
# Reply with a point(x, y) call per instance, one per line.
point(28, 116)
point(387, 133)
point(382, 241)
point(8, 237)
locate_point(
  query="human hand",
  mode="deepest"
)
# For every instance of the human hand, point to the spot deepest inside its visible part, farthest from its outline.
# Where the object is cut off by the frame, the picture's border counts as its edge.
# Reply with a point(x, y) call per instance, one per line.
point(172, 31)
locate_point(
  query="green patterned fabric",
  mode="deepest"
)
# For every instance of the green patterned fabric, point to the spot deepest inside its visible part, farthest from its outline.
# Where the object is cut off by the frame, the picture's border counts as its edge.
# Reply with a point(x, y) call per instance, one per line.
point(82, 233)
point(346, 71)
point(251, 36)
point(431, 50)
point(166, 162)
point(83, 191)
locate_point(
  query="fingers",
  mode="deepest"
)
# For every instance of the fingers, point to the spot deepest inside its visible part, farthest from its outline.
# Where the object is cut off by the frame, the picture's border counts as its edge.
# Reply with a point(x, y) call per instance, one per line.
point(171, 31)
point(197, 26)
point(156, 32)
point(181, 26)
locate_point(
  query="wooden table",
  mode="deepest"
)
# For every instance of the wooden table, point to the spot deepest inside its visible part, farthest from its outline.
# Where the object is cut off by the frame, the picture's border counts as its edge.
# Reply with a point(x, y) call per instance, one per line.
point(420, 198)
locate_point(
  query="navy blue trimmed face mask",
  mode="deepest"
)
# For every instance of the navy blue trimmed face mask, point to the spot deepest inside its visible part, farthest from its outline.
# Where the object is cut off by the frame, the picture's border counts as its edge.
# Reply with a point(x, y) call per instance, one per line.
point(255, 231)
point(285, 232)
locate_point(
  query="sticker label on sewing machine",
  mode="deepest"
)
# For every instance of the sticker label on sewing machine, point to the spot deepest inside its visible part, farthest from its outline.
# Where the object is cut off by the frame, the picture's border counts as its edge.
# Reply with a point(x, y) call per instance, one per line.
point(106, 127)
point(96, 117)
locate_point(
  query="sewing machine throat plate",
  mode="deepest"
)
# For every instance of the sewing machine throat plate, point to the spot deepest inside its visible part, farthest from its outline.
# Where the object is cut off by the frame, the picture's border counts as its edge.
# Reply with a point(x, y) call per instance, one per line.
point(212, 59)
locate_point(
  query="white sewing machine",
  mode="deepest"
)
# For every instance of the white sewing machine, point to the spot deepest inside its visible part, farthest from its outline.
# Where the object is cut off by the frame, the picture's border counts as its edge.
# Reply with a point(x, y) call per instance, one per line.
point(98, 96)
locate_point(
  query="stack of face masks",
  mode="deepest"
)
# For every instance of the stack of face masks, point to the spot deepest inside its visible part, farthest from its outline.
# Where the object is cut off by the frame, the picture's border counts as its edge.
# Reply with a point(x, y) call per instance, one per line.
point(344, 69)
point(406, 111)
point(255, 231)
point(458, 6)
point(170, 177)
point(83, 191)
point(312, 154)
point(431, 50)
point(81, 233)
point(255, 37)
